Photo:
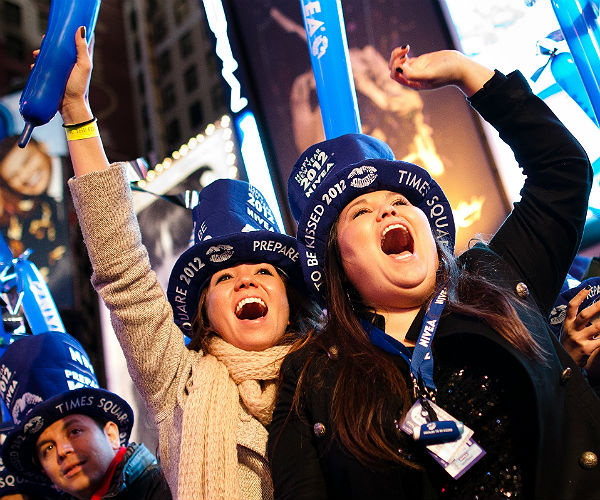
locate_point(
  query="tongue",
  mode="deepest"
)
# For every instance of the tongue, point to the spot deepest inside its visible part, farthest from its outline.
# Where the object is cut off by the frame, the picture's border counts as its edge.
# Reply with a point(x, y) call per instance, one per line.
point(397, 242)
point(252, 310)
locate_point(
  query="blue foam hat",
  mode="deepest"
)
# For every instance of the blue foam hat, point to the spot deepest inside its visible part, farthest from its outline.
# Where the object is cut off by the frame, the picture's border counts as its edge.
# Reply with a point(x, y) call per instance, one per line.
point(570, 288)
point(330, 174)
point(44, 378)
point(233, 224)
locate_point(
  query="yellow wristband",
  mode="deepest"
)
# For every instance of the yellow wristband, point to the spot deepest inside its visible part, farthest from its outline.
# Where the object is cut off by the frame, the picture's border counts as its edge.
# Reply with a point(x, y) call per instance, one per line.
point(83, 132)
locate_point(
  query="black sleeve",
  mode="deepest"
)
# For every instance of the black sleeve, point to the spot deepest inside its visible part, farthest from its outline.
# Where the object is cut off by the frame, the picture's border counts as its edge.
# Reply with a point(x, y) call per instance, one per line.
point(292, 450)
point(541, 236)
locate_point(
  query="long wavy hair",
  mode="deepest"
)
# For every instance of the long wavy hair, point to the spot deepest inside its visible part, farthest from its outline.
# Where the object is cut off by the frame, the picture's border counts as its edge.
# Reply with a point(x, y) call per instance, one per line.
point(305, 316)
point(367, 376)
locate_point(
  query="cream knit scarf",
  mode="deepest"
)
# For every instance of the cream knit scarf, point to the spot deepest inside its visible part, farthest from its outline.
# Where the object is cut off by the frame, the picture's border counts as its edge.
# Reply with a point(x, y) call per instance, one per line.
point(208, 465)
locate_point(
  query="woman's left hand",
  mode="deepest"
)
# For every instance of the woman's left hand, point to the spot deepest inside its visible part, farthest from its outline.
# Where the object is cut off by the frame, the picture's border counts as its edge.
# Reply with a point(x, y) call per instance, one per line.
point(580, 331)
point(437, 69)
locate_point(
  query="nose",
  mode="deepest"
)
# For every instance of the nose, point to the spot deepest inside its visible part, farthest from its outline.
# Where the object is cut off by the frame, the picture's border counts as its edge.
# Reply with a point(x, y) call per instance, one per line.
point(386, 210)
point(64, 449)
point(245, 280)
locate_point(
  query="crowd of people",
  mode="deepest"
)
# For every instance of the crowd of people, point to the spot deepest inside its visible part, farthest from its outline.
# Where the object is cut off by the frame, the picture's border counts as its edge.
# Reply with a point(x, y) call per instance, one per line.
point(362, 358)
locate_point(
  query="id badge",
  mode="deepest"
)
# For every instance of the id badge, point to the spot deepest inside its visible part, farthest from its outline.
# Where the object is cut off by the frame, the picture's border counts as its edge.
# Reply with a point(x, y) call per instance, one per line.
point(455, 445)
point(469, 455)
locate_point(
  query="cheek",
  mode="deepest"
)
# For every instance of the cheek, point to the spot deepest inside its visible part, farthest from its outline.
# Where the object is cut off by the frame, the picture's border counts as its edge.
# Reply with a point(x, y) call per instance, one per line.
point(214, 313)
point(284, 311)
point(281, 303)
point(356, 256)
point(349, 239)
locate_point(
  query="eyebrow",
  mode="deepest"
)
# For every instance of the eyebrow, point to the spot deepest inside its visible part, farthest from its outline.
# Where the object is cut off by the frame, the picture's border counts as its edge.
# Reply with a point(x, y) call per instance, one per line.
point(359, 201)
point(354, 203)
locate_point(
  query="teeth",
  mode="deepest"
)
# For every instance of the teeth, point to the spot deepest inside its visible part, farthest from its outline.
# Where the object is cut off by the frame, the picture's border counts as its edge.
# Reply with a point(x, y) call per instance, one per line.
point(248, 300)
point(393, 226)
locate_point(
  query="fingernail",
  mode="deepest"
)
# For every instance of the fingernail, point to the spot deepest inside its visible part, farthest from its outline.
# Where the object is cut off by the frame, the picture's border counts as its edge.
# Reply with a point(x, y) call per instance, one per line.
point(404, 46)
point(82, 31)
point(399, 70)
point(588, 287)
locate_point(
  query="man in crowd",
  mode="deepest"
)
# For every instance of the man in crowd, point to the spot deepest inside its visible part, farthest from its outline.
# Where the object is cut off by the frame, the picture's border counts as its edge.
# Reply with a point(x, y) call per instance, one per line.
point(68, 430)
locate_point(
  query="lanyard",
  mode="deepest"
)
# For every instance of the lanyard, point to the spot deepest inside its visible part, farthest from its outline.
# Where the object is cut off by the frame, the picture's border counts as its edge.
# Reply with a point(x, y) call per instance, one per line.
point(421, 359)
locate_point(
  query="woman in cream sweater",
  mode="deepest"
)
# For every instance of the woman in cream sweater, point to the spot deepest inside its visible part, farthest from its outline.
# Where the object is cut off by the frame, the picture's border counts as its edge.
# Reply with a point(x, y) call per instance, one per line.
point(233, 293)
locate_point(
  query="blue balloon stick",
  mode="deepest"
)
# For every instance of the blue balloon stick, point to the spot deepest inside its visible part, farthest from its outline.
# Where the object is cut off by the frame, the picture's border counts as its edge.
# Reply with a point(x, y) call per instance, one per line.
point(578, 21)
point(328, 49)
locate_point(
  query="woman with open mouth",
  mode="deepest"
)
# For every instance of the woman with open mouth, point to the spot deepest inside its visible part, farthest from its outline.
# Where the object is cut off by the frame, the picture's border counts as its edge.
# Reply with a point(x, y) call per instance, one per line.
point(436, 376)
point(237, 293)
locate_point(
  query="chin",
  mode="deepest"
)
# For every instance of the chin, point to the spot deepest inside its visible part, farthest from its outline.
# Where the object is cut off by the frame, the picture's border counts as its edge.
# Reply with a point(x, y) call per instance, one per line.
point(263, 343)
point(255, 347)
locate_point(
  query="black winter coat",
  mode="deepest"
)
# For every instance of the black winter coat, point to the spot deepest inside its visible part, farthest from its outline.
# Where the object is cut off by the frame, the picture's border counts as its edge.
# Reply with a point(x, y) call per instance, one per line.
point(551, 413)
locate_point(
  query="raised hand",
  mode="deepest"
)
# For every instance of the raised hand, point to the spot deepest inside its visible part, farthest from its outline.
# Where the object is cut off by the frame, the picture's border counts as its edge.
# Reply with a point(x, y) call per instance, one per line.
point(580, 331)
point(74, 107)
point(437, 69)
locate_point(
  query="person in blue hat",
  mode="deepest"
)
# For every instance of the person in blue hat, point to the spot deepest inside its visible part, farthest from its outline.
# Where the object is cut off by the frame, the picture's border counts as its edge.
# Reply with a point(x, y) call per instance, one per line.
point(67, 429)
point(237, 293)
point(437, 376)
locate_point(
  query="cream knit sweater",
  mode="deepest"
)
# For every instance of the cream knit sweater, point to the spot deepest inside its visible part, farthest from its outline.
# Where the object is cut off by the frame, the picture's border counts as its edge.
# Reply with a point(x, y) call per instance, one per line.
point(157, 358)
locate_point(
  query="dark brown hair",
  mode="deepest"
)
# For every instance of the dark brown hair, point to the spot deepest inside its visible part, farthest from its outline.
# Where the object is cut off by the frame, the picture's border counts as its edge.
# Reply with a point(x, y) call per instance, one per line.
point(305, 315)
point(367, 376)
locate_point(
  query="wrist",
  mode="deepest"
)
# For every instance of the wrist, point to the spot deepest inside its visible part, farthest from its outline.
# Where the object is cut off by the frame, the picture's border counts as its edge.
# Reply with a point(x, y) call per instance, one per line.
point(473, 76)
point(76, 113)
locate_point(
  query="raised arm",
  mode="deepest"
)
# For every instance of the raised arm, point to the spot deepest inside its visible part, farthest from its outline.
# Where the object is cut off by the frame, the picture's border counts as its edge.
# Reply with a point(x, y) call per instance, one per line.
point(87, 155)
point(140, 313)
point(541, 236)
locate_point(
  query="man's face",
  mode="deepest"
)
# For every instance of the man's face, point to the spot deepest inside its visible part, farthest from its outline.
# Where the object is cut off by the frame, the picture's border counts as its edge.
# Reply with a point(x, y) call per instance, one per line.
point(75, 453)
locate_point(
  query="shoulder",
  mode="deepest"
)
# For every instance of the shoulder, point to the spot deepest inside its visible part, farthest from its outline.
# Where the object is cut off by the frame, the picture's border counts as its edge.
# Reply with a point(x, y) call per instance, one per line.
point(144, 475)
point(313, 361)
point(480, 258)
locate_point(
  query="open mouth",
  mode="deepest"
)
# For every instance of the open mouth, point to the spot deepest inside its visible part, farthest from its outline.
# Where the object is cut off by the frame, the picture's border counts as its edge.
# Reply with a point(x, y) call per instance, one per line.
point(396, 240)
point(251, 308)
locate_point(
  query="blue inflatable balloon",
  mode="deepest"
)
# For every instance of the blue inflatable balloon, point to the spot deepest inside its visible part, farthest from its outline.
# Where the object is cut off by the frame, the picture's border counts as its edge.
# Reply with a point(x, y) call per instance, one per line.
point(48, 78)
point(40, 309)
point(328, 48)
point(578, 21)
point(6, 256)
point(566, 75)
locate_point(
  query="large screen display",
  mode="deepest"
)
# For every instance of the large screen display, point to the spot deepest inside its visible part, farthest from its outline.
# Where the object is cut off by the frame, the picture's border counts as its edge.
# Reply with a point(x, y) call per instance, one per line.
point(437, 130)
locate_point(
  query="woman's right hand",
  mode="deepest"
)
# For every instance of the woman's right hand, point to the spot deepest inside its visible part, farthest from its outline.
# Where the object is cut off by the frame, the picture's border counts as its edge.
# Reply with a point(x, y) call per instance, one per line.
point(74, 106)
